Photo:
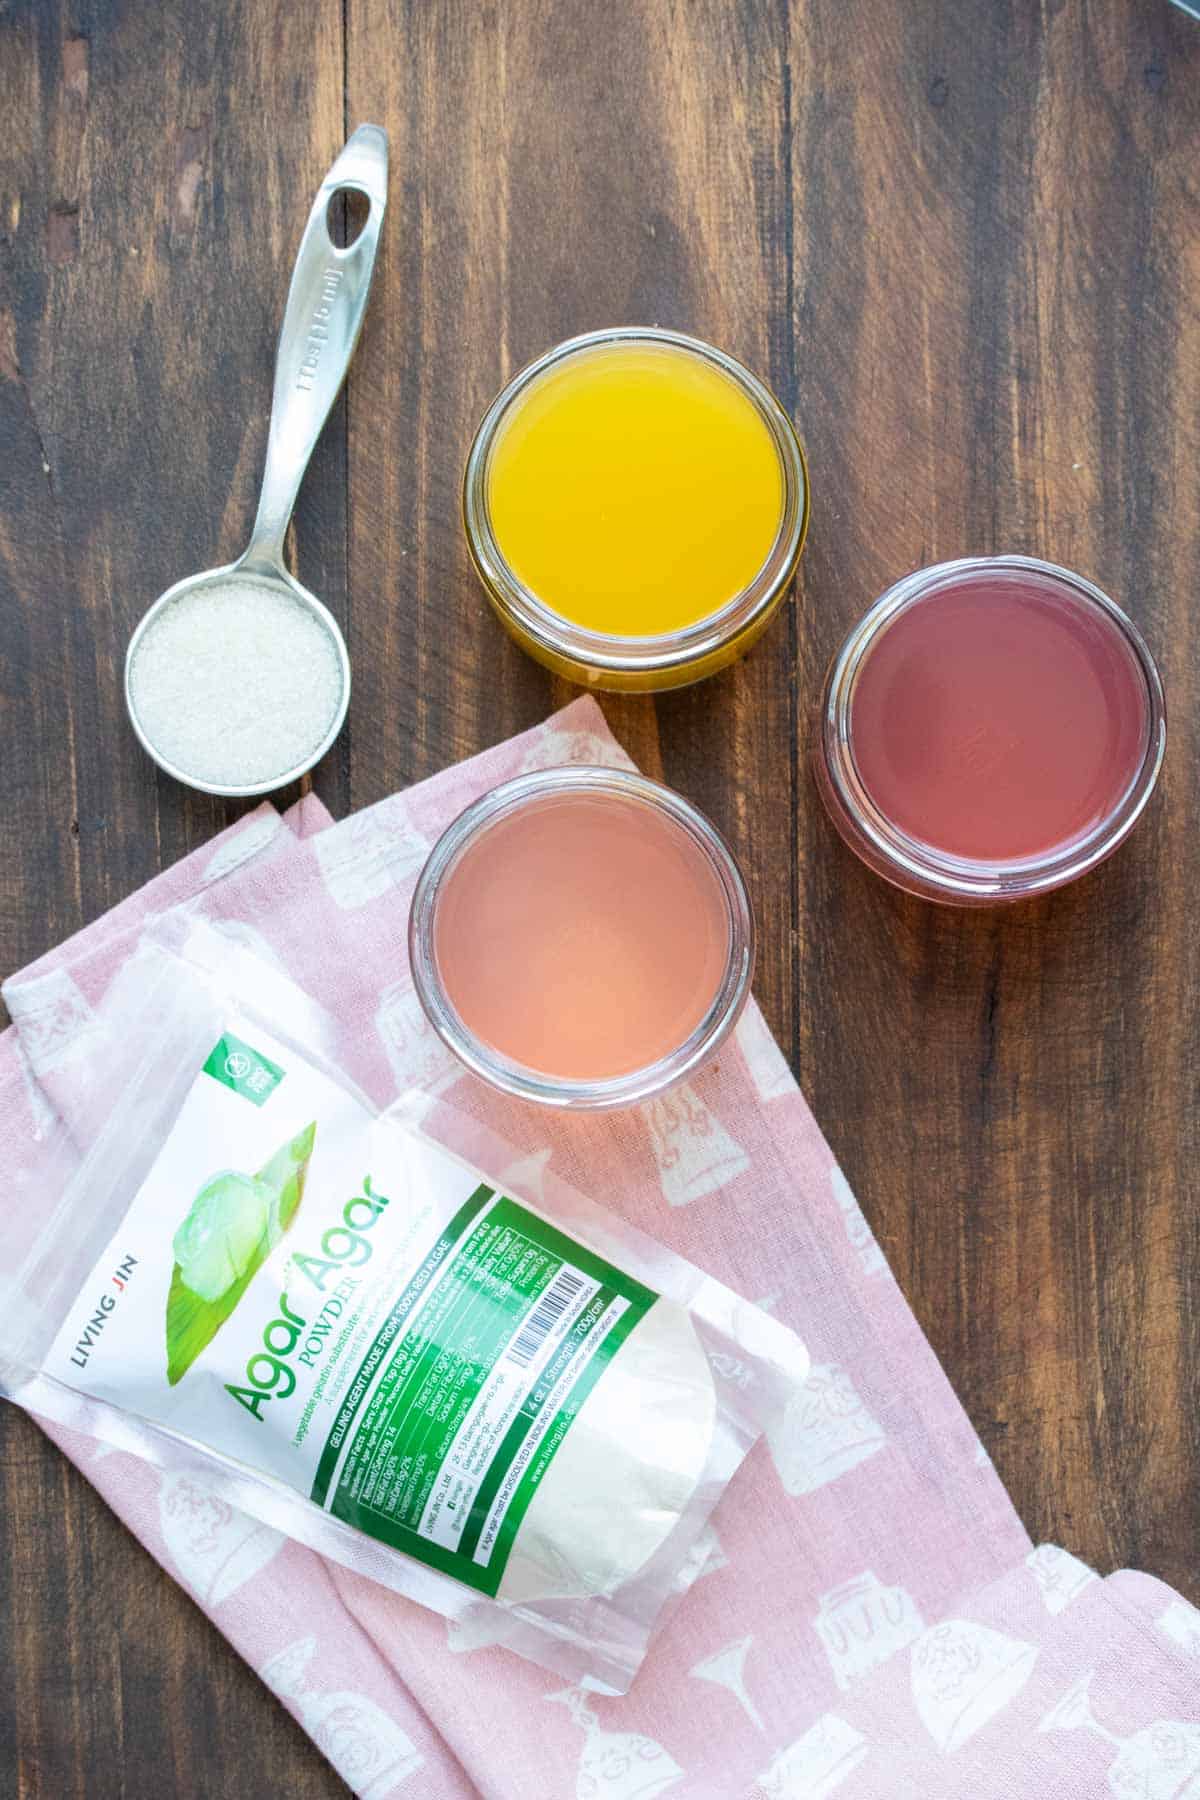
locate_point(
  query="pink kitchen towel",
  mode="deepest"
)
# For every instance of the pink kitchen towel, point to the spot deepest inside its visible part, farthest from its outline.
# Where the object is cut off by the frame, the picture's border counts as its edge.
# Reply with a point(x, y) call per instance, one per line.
point(871, 1620)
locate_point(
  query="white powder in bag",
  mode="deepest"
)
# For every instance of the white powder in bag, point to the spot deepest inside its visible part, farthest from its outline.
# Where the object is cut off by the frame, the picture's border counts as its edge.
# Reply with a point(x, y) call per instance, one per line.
point(625, 1472)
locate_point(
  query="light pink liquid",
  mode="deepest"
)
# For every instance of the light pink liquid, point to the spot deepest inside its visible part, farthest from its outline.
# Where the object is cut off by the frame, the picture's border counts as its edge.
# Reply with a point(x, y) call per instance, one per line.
point(584, 936)
point(999, 718)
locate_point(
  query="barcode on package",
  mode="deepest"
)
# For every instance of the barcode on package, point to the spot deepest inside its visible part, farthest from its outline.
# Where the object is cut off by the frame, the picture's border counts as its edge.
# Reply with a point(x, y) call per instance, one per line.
point(455, 1417)
point(563, 1291)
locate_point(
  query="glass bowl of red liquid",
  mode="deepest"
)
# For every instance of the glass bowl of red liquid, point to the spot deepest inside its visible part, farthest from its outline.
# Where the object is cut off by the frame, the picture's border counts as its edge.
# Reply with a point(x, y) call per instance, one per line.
point(990, 729)
point(582, 937)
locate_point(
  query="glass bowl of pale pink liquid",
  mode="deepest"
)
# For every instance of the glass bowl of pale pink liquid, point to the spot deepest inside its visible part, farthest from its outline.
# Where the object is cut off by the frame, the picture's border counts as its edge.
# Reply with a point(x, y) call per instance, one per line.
point(990, 729)
point(582, 938)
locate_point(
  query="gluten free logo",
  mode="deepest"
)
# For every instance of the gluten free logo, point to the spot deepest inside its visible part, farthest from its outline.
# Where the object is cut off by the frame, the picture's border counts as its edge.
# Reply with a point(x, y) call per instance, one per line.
point(245, 1070)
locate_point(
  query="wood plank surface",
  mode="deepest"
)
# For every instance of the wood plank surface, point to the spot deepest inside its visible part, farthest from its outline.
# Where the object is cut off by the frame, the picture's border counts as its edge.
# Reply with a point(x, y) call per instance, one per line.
point(963, 243)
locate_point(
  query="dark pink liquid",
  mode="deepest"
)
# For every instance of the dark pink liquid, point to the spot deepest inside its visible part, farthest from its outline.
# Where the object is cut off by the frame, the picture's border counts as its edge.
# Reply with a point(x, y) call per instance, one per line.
point(1000, 717)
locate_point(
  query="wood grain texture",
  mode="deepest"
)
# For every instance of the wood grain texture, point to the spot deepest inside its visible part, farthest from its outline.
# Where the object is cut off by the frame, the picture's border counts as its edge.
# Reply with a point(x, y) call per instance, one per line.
point(963, 243)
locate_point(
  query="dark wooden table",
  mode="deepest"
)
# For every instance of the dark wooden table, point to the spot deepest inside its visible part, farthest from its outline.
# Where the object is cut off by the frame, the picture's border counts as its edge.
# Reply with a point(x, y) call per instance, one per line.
point(962, 240)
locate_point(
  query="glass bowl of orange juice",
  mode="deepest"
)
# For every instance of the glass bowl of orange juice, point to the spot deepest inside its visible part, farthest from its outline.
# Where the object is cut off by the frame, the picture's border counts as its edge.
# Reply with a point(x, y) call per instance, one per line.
point(635, 503)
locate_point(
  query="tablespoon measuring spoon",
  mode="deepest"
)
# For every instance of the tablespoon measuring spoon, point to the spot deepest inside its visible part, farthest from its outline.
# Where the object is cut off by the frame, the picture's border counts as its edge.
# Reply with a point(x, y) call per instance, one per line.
point(237, 680)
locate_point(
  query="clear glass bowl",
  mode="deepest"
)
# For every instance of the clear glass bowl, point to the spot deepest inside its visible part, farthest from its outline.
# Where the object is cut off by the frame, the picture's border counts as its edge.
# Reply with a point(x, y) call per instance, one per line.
point(920, 868)
point(671, 659)
point(530, 1084)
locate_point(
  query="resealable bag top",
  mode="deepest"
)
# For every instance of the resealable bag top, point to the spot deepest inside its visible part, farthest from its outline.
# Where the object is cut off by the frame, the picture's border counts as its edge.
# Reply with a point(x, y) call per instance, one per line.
point(487, 1400)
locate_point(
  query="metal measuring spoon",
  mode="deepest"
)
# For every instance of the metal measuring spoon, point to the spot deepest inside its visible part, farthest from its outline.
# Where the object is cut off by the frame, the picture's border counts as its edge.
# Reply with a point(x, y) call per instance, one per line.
point(325, 307)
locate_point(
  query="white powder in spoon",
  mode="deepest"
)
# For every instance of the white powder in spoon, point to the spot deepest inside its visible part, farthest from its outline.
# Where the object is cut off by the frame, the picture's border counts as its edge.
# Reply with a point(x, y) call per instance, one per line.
point(236, 683)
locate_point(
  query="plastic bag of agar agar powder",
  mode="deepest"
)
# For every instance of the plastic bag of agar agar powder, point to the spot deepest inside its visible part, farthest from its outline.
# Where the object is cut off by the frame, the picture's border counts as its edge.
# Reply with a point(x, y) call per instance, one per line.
point(494, 1404)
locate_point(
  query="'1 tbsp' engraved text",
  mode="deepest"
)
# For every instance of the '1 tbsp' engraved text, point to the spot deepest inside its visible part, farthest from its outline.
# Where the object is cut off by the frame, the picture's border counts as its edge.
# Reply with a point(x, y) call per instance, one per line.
point(318, 331)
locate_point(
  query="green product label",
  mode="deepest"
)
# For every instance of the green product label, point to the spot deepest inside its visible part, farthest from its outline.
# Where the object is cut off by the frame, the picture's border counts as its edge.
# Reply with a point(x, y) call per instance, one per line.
point(345, 1306)
point(238, 1065)
point(470, 1386)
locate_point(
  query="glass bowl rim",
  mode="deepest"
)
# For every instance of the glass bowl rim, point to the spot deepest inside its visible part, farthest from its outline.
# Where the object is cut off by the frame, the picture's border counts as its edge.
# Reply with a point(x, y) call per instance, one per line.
point(920, 867)
point(604, 651)
point(517, 1079)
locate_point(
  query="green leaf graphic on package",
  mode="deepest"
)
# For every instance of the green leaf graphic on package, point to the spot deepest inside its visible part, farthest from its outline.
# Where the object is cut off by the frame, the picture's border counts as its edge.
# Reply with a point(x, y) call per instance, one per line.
point(232, 1226)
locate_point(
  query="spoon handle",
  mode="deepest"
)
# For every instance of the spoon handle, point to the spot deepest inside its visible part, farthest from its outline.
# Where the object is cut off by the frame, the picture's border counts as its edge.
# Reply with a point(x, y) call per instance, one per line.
point(325, 307)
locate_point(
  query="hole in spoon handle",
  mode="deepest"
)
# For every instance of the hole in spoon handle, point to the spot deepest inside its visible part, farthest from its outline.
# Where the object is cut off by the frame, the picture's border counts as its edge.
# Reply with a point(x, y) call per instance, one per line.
point(346, 216)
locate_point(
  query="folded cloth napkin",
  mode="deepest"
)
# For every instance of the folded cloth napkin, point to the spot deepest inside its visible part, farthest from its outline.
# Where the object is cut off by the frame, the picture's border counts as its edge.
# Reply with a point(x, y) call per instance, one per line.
point(871, 1618)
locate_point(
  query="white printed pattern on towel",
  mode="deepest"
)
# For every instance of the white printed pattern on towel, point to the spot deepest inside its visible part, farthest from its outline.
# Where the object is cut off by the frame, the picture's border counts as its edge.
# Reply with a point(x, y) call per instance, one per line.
point(1160, 1762)
point(58, 1026)
point(727, 1669)
point(41, 1114)
point(1060, 1576)
point(216, 1548)
point(366, 1747)
point(369, 853)
point(418, 1058)
point(764, 1059)
point(817, 1763)
point(825, 1432)
point(252, 840)
point(554, 749)
point(694, 1153)
point(527, 1176)
point(616, 1765)
point(963, 1674)
point(857, 1229)
point(863, 1624)
point(1181, 1623)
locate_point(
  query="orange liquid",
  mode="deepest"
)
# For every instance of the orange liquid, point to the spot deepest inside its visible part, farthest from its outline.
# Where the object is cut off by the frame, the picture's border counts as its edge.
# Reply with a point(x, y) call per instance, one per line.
point(583, 937)
point(635, 489)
